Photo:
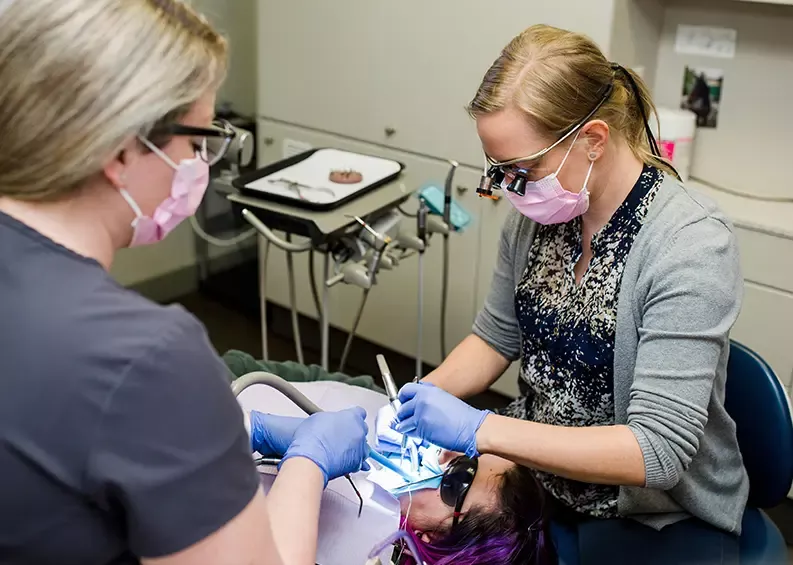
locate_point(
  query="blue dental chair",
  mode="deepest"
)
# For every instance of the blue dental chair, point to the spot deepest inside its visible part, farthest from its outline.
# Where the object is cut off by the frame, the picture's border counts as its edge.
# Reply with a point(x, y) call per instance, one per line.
point(757, 402)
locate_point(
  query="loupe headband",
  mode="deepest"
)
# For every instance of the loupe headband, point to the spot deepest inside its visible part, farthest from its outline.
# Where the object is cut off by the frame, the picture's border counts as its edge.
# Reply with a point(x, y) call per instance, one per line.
point(606, 93)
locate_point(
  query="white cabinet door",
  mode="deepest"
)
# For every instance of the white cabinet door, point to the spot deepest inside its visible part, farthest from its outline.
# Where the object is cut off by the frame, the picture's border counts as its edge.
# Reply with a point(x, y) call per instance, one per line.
point(397, 73)
point(766, 326)
point(391, 314)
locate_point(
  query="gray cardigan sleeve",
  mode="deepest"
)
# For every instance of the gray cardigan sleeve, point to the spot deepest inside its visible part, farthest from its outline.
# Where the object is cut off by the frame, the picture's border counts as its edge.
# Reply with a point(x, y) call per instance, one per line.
point(693, 300)
point(496, 324)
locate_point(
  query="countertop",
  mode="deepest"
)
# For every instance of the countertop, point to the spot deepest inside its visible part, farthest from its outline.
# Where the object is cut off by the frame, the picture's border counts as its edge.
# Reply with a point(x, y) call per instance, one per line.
point(772, 218)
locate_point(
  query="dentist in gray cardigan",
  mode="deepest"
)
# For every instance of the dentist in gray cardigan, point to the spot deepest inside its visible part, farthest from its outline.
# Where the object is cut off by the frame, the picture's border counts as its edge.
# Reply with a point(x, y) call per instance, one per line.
point(615, 289)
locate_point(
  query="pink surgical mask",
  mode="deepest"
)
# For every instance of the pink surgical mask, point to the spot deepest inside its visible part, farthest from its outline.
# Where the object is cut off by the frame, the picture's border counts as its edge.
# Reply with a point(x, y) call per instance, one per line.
point(547, 202)
point(187, 191)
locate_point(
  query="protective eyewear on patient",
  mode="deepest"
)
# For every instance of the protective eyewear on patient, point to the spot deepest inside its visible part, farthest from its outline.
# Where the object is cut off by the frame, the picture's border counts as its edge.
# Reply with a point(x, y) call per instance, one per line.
point(456, 482)
point(212, 143)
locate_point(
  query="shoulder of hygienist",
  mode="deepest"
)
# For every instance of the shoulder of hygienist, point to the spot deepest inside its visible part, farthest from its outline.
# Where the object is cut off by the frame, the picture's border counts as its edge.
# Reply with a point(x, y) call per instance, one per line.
point(680, 219)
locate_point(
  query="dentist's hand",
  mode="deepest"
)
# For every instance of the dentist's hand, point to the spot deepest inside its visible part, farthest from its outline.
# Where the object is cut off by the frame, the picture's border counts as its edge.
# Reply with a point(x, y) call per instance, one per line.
point(271, 435)
point(334, 441)
point(388, 439)
point(434, 415)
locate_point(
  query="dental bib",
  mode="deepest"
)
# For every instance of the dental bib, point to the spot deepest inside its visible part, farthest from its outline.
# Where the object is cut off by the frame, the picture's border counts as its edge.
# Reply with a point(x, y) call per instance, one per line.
point(429, 473)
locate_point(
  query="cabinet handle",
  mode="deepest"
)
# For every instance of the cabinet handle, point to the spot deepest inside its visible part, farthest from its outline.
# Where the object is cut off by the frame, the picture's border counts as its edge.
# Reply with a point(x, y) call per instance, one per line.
point(390, 132)
point(269, 141)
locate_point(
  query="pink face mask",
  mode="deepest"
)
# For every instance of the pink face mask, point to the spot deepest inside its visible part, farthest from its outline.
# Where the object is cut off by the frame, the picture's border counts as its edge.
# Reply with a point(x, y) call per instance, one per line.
point(547, 202)
point(187, 190)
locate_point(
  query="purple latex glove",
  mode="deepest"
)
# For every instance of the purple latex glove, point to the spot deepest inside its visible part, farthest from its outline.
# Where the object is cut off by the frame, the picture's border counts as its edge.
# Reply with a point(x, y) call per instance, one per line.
point(434, 415)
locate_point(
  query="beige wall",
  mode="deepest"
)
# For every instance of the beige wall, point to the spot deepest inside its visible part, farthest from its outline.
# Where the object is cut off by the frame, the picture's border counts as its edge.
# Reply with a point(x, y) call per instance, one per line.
point(236, 19)
point(636, 34)
point(750, 149)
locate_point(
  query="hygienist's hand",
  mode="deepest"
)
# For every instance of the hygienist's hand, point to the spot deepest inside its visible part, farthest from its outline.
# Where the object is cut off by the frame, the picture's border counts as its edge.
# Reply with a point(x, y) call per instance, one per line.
point(388, 439)
point(334, 441)
point(434, 415)
point(271, 435)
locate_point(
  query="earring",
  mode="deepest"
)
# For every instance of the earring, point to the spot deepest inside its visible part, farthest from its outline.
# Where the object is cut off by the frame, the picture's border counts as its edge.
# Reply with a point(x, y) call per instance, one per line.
point(593, 156)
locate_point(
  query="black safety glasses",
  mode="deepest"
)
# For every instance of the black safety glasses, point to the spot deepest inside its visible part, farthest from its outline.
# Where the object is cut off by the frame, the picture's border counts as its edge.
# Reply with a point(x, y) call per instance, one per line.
point(213, 142)
point(456, 482)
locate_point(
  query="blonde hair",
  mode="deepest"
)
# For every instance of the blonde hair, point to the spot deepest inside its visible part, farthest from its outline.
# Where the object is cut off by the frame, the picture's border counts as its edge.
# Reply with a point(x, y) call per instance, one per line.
point(557, 78)
point(78, 78)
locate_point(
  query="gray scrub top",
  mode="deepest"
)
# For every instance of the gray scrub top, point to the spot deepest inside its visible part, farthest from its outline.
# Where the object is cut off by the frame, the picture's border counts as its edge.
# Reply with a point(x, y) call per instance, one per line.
point(119, 435)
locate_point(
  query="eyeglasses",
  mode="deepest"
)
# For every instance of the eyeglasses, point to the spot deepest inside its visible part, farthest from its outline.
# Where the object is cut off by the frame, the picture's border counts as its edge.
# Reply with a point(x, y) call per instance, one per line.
point(214, 141)
point(456, 482)
point(495, 171)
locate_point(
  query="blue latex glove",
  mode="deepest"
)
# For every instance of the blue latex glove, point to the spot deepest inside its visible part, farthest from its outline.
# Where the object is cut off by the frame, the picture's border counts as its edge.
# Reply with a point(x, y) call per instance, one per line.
point(271, 435)
point(434, 415)
point(335, 441)
point(388, 440)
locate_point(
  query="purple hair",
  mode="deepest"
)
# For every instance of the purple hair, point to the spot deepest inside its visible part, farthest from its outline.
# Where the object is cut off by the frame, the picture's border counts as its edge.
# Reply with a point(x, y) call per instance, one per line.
point(516, 532)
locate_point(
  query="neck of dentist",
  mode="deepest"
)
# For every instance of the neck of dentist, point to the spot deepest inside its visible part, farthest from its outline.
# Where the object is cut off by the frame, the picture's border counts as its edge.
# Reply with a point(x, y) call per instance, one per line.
point(93, 222)
point(613, 177)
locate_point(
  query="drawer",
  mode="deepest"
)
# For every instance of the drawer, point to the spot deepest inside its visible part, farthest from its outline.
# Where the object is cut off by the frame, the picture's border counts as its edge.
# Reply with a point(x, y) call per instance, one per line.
point(766, 259)
point(766, 326)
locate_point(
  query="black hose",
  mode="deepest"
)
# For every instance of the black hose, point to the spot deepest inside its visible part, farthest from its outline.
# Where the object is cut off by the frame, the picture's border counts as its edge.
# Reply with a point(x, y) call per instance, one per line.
point(444, 294)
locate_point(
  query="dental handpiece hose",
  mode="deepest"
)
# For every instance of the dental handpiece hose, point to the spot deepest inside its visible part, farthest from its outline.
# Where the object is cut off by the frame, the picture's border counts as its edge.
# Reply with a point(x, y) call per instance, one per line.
point(422, 234)
point(307, 406)
point(447, 219)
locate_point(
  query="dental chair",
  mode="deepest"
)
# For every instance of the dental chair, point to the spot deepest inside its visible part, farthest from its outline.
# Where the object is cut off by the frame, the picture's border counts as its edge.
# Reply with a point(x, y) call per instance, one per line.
point(759, 405)
point(757, 402)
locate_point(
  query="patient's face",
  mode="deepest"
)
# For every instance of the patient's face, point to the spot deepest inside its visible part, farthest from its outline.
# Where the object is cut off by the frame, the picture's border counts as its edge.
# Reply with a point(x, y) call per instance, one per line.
point(430, 516)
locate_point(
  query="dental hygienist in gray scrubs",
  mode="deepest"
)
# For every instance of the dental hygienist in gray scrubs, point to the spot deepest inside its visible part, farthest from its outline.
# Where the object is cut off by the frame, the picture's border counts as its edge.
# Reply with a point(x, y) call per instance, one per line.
point(120, 439)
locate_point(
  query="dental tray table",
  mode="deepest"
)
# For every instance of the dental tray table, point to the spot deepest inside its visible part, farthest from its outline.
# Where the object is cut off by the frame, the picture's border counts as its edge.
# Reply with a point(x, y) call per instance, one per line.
point(307, 180)
point(321, 218)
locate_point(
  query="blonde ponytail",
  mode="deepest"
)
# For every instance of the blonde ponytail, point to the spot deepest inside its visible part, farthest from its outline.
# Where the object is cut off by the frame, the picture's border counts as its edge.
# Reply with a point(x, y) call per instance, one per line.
point(556, 77)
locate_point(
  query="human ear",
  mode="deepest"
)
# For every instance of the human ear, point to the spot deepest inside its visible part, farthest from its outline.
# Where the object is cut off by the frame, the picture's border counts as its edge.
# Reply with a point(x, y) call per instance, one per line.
point(596, 134)
point(115, 168)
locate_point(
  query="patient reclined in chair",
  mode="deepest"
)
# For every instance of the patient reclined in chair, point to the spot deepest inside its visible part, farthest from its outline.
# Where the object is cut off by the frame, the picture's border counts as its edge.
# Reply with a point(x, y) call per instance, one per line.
point(501, 519)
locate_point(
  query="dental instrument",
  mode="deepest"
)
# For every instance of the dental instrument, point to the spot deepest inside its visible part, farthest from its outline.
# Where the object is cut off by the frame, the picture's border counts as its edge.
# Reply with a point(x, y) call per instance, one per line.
point(447, 219)
point(421, 220)
point(390, 465)
point(413, 457)
point(393, 396)
point(388, 381)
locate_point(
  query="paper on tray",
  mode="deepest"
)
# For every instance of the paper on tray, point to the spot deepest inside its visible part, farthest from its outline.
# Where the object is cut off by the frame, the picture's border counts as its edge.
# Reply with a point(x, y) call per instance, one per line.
point(313, 173)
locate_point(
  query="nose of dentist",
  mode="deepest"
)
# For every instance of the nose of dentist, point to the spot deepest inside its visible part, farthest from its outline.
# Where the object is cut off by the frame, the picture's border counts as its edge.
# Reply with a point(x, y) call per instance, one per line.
point(434, 415)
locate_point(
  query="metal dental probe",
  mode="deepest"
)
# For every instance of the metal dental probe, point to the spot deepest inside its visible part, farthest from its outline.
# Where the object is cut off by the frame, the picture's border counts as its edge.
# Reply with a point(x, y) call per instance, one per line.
point(393, 394)
point(413, 461)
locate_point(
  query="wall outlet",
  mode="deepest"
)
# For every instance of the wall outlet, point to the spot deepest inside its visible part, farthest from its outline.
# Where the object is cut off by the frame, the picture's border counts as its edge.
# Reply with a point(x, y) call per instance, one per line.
point(292, 147)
